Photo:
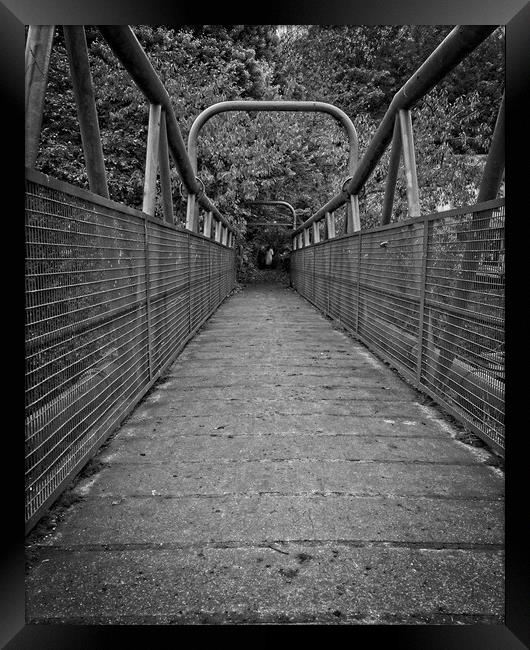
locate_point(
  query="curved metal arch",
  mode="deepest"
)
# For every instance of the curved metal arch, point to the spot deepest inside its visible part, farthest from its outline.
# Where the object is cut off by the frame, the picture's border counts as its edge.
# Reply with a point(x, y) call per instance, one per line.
point(273, 105)
point(284, 203)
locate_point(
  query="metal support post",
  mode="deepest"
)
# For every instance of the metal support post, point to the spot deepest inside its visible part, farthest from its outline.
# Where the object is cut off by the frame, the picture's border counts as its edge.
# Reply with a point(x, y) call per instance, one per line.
point(409, 162)
point(393, 167)
point(165, 178)
point(316, 232)
point(37, 62)
point(151, 159)
point(330, 225)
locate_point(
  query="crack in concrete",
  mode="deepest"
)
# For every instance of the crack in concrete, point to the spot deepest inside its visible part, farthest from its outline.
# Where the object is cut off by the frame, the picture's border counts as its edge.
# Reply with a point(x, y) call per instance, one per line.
point(305, 459)
point(492, 547)
point(311, 494)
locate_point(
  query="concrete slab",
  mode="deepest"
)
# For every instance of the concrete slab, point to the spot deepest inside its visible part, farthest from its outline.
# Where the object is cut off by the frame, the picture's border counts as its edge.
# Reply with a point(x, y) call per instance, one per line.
point(153, 473)
point(255, 518)
point(328, 583)
point(187, 378)
point(147, 418)
point(393, 407)
point(164, 442)
point(285, 392)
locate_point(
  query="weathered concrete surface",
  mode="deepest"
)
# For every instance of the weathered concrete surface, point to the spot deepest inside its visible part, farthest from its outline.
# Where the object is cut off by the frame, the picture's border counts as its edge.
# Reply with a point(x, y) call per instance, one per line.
point(302, 583)
point(279, 473)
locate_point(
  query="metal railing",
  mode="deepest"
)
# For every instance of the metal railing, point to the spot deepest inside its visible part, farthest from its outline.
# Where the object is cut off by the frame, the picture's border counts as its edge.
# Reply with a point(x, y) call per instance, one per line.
point(112, 293)
point(112, 296)
point(406, 291)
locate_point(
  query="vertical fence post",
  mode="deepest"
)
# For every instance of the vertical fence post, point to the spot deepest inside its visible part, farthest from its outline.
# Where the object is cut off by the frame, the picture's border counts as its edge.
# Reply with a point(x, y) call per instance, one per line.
point(76, 48)
point(190, 213)
point(316, 232)
point(393, 166)
point(207, 227)
point(165, 178)
point(353, 216)
point(218, 226)
point(423, 283)
point(306, 236)
point(330, 225)
point(151, 159)
point(37, 63)
point(409, 162)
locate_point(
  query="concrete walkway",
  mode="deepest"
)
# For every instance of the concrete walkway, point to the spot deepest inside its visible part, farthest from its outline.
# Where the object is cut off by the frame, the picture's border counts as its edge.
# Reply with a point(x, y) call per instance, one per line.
point(280, 473)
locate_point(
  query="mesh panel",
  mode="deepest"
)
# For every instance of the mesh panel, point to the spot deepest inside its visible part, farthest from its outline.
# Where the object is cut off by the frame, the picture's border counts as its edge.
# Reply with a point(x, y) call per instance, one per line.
point(390, 279)
point(463, 346)
point(110, 299)
point(321, 277)
point(343, 288)
point(294, 269)
point(169, 294)
point(199, 280)
point(308, 274)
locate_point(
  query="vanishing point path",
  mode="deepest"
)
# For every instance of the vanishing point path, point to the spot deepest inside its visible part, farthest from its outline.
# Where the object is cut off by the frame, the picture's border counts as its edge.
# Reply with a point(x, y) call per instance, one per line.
point(279, 473)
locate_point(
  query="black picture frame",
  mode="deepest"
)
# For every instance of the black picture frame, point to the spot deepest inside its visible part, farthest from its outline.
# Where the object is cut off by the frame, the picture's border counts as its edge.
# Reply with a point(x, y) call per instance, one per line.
point(515, 14)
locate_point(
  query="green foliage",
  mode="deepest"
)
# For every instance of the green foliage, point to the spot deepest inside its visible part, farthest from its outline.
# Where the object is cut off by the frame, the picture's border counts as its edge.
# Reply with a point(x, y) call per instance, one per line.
point(360, 68)
point(298, 158)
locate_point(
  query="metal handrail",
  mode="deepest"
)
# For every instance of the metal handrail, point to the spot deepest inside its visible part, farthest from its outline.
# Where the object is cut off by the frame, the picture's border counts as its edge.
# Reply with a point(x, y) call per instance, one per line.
point(283, 203)
point(274, 105)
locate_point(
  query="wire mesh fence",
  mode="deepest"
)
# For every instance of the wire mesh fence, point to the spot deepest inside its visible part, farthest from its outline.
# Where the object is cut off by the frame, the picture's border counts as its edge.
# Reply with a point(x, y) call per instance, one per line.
point(111, 297)
point(427, 295)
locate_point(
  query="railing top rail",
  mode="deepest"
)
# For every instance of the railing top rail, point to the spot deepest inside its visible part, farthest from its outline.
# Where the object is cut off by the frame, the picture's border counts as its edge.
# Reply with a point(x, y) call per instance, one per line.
point(35, 176)
point(284, 203)
point(460, 42)
point(279, 203)
point(433, 216)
